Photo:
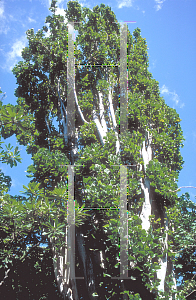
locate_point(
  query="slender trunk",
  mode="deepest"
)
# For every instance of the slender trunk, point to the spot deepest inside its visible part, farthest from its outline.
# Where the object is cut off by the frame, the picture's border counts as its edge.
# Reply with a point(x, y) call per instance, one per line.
point(113, 121)
point(87, 264)
point(101, 109)
point(147, 155)
point(100, 129)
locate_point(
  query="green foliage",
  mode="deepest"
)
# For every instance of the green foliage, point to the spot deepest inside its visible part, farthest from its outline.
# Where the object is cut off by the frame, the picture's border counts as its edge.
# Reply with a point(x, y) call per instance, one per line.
point(38, 122)
point(182, 243)
point(163, 180)
point(9, 157)
point(48, 167)
point(88, 134)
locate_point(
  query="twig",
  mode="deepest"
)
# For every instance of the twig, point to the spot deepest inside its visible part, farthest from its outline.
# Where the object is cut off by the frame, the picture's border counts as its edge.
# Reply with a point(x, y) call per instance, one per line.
point(190, 294)
point(6, 275)
point(193, 276)
point(186, 187)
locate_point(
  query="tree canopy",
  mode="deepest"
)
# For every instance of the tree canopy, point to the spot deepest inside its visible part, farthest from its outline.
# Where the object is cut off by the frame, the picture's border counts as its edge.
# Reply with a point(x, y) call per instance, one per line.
point(161, 238)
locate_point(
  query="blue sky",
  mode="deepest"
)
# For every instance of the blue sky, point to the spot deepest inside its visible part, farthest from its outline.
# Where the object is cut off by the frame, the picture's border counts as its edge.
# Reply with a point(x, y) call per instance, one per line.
point(169, 28)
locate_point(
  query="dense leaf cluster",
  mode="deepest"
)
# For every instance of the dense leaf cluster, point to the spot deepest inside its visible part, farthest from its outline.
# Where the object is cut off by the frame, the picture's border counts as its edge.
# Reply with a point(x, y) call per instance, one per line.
point(38, 120)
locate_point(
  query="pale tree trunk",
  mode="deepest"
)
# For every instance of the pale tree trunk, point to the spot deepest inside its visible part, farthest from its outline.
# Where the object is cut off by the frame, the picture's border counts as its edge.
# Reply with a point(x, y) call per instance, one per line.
point(64, 268)
point(65, 262)
point(147, 155)
point(68, 286)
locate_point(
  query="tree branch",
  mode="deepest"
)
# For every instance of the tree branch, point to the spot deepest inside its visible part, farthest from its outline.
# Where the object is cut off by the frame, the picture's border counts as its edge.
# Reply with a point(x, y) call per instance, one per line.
point(101, 109)
point(6, 276)
point(183, 187)
point(78, 106)
point(190, 294)
point(114, 127)
point(101, 132)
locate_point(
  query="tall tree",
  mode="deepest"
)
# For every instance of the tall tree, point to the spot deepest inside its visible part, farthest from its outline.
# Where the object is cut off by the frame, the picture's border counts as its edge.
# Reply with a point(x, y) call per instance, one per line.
point(107, 152)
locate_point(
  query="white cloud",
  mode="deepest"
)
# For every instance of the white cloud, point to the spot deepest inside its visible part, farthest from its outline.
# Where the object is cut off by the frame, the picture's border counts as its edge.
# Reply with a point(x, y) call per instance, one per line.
point(152, 64)
point(13, 183)
point(164, 90)
point(46, 3)
point(182, 105)
point(126, 3)
point(14, 55)
point(47, 34)
point(17, 48)
point(174, 96)
point(31, 20)
point(159, 4)
point(1, 9)
point(4, 27)
point(60, 11)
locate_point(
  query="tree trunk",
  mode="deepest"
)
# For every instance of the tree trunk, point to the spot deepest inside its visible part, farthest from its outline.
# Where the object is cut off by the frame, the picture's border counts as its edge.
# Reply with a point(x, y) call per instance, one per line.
point(69, 285)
